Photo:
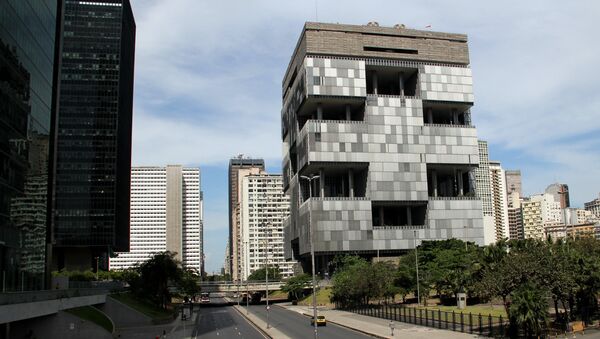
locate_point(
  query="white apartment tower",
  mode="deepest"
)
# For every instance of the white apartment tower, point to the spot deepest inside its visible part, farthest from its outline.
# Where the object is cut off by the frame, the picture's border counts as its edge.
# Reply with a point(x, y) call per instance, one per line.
point(499, 200)
point(484, 192)
point(263, 209)
point(166, 214)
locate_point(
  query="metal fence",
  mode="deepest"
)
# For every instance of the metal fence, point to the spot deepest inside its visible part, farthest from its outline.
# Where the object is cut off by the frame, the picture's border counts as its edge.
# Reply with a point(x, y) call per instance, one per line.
point(484, 325)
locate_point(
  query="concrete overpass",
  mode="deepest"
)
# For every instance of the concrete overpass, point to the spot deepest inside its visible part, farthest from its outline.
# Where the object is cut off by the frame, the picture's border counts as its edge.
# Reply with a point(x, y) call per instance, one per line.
point(234, 287)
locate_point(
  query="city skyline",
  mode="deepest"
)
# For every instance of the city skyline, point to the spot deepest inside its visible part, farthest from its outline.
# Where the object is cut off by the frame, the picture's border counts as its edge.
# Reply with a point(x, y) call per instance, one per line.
point(234, 51)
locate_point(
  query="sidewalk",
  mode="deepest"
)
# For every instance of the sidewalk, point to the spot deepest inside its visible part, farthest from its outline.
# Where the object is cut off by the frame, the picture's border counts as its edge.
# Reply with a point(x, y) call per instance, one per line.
point(377, 327)
point(176, 329)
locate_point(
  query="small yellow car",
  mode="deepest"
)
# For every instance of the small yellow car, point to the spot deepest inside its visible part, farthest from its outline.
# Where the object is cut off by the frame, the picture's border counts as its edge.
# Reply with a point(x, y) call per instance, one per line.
point(320, 321)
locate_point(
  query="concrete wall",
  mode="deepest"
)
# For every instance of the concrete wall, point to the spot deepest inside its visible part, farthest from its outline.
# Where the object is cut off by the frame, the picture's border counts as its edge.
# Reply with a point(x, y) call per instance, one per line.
point(57, 326)
point(27, 310)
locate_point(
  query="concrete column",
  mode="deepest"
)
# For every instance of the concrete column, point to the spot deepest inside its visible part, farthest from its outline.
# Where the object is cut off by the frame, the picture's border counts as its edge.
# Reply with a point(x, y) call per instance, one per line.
point(401, 83)
point(319, 112)
point(381, 216)
point(430, 115)
point(408, 216)
point(375, 85)
point(455, 116)
point(434, 182)
point(322, 183)
point(348, 113)
point(351, 182)
point(459, 182)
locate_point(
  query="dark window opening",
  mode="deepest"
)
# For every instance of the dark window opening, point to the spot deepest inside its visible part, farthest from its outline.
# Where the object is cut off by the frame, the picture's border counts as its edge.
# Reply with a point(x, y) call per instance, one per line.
point(446, 114)
point(398, 213)
point(450, 181)
point(390, 50)
point(401, 81)
point(294, 159)
point(332, 110)
point(338, 182)
point(291, 82)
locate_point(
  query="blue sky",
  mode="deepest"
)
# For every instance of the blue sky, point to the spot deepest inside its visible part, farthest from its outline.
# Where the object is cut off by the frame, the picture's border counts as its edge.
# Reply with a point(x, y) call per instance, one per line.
point(208, 84)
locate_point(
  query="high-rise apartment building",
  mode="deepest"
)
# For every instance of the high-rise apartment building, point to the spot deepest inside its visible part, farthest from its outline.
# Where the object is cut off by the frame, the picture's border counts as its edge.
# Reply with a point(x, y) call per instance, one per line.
point(513, 182)
point(560, 192)
point(382, 116)
point(238, 168)
point(166, 215)
point(551, 211)
point(484, 192)
point(499, 201)
point(27, 114)
point(533, 223)
point(515, 216)
point(593, 206)
point(91, 205)
point(264, 207)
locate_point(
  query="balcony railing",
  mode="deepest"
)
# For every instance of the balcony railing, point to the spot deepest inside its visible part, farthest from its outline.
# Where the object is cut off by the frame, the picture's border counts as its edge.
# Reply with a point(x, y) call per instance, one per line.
point(464, 197)
point(448, 125)
point(404, 227)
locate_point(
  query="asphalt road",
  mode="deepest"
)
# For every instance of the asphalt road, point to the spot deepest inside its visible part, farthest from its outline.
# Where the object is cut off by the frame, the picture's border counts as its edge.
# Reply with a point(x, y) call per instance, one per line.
point(296, 325)
point(220, 321)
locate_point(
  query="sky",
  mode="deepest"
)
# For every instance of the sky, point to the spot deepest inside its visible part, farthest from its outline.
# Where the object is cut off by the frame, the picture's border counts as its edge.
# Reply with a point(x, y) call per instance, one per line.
point(208, 85)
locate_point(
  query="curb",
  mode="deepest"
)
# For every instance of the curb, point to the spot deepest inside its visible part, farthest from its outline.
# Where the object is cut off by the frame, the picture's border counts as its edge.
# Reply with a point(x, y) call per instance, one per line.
point(258, 328)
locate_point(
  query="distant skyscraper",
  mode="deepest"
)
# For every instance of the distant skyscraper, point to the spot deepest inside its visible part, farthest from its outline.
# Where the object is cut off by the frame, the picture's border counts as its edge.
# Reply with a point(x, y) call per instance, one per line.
point(238, 169)
point(499, 201)
point(27, 112)
point(513, 182)
point(593, 206)
point(166, 215)
point(91, 211)
point(560, 193)
point(264, 207)
point(382, 115)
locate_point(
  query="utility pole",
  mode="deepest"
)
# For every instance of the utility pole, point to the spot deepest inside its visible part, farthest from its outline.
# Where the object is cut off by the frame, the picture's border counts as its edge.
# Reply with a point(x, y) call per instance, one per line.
point(417, 268)
point(312, 251)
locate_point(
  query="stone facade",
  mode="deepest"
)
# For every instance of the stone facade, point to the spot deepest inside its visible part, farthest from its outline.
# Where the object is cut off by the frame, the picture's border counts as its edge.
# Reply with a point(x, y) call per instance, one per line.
point(387, 132)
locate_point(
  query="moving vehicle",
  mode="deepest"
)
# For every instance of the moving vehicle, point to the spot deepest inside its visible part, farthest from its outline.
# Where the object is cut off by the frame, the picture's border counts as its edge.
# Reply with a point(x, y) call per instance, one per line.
point(204, 298)
point(320, 321)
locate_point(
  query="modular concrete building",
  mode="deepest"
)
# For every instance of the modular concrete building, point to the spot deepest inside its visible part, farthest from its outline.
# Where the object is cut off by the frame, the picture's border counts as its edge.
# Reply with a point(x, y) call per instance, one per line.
point(382, 116)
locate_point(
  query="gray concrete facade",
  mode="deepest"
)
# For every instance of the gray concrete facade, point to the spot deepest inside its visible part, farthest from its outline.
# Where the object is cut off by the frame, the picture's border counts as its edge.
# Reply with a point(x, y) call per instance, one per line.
point(388, 133)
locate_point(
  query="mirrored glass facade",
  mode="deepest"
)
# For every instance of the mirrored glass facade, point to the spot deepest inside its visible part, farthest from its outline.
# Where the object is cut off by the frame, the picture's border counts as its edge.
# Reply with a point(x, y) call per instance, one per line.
point(27, 40)
point(91, 215)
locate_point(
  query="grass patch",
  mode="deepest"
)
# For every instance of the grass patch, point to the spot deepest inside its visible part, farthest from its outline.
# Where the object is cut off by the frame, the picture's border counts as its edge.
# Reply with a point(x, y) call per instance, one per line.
point(92, 314)
point(157, 314)
point(474, 309)
point(278, 294)
point(323, 298)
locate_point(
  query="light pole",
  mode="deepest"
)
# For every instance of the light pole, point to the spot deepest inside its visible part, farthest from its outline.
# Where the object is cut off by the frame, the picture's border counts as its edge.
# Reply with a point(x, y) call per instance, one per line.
point(267, 273)
point(417, 267)
point(312, 250)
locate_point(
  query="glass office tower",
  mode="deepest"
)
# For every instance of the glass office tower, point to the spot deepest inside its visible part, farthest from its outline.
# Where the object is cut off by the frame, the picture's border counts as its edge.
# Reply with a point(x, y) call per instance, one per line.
point(27, 77)
point(91, 212)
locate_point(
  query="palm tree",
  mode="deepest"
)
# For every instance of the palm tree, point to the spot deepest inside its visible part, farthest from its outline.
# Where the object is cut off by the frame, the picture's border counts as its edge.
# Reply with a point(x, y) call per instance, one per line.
point(529, 309)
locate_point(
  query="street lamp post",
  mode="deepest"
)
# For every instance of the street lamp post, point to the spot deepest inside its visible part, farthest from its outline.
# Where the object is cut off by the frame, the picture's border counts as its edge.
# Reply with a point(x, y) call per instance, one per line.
point(417, 268)
point(312, 251)
point(267, 273)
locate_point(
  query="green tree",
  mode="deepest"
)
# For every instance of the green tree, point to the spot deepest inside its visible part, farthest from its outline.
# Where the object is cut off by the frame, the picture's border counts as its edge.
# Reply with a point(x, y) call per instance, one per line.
point(155, 276)
point(295, 286)
point(189, 282)
point(259, 274)
point(529, 309)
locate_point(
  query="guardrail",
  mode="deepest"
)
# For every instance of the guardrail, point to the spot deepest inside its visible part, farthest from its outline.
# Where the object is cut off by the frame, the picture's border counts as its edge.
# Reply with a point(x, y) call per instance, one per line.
point(8, 298)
